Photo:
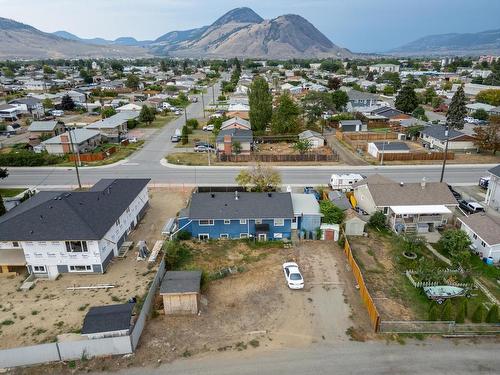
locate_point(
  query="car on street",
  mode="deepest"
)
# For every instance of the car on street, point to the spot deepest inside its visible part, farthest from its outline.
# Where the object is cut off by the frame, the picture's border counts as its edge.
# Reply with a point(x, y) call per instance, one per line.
point(203, 148)
point(293, 277)
point(470, 207)
point(208, 128)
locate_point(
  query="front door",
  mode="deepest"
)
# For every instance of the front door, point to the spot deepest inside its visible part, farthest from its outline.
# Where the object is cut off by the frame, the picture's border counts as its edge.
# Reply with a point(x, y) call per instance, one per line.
point(262, 237)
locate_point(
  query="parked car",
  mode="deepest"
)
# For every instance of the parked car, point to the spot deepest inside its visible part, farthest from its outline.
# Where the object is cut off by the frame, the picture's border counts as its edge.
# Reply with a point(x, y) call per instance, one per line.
point(293, 276)
point(208, 128)
point(204, 148)
point(57, 113)
point(132, 140)
point(311, 190)
point(470, 207)
point(484, 182)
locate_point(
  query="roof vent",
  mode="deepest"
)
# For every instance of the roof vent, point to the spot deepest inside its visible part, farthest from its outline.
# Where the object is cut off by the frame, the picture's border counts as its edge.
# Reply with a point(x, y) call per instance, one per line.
point(423, 183)
point(236, 195)
point(212, 195)
point(401, 183)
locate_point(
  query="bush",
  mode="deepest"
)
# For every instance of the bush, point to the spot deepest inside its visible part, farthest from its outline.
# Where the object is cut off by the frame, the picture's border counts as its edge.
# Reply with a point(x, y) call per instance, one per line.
point(177, 255)
point(132, 123)
point(378, 220)
point(183, 235)
point(25, 158)
point(192, 123)
point(478, 315)
point(447, 312)
point(492, 316)
point(461, 313)
point(331, 213)
point(434, 312)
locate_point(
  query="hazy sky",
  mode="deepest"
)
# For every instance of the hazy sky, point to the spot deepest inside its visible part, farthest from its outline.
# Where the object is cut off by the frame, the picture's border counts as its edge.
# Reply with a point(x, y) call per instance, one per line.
point(360, 25)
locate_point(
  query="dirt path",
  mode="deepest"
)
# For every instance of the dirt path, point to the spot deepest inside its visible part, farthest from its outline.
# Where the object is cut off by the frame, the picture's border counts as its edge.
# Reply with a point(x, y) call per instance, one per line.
point(345, 155)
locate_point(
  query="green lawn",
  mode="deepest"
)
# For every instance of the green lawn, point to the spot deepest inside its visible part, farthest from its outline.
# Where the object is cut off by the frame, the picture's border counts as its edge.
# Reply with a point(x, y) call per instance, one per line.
point(190, 158)
point(197, 135)
point(159, 122)
point(121, 153)
point(7, 193)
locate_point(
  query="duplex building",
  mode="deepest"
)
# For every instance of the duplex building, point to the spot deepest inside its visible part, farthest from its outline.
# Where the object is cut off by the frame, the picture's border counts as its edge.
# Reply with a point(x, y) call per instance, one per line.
point(74, 231)
point(484, 233)
point(434, 137)
point(263, 216)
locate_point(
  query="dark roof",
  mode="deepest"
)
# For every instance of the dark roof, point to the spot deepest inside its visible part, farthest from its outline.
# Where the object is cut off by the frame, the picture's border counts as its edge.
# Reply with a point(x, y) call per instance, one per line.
point(391, 146)
point(241, 135)
point(29, 101)
point(360, 95)
point(108, 318)
point(83, 215)
point(387, 112)
point(247, 206)
point(181, 282)
point(495, 170)
point(437, 132)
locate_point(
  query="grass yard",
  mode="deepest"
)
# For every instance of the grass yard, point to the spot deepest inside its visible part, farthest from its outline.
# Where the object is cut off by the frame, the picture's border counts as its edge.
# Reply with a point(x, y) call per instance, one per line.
point(383, 265)
point(159, 122)
point(8, 193)
point(197, 135)
point(190, 158)
point(121, 153)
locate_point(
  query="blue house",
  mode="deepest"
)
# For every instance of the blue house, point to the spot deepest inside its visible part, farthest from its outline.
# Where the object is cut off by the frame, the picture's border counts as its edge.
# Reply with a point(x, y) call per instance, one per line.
point(307, 215)
point(263, 216)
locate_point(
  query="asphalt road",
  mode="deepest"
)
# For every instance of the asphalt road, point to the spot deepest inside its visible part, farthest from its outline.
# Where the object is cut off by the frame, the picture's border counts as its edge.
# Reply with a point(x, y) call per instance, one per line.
point(146, 163)
point(427, 357)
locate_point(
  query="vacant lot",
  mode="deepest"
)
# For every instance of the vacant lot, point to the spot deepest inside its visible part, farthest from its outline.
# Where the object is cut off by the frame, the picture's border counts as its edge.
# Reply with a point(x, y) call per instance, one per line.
point(49, 309)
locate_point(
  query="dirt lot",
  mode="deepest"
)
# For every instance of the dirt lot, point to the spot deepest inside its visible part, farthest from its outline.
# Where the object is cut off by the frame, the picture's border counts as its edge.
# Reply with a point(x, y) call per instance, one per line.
point(285, 148)
point(49, 309)
point(254, 309)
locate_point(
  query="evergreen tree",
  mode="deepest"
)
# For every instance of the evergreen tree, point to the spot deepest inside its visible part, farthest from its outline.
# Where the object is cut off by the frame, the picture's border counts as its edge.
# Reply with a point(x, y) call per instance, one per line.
point(447, 312)
point(456, 110)
point(67, 103)
point(478, 315)
point(285, 118)
point(407, 99)
point(434, 313)
point(261, 106)
point(184, 135)
point(492, 316)
point(460, 315)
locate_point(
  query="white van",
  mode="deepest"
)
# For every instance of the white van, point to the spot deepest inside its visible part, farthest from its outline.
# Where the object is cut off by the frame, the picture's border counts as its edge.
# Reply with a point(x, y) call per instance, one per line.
point(344, 182)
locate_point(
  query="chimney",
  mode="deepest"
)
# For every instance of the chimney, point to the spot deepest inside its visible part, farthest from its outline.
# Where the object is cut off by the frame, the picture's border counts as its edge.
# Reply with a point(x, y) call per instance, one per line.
point(228, 144)
point(423, 183)
point(65, 143)
point(401, 184)
point(236, 196)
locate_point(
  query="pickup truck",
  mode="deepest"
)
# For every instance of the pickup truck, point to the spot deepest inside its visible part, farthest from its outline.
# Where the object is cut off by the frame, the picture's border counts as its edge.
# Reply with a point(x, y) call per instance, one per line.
point(470, 207)
point(311, 190)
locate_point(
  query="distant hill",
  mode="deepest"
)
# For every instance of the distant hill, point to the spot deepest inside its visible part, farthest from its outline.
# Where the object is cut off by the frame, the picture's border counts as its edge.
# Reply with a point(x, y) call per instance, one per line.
point(239, 33)
point(485, 42)
point(20, 41)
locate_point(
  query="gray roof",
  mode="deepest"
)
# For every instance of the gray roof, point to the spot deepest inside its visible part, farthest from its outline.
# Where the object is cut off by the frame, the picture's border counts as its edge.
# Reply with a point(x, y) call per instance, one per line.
point(247, 206)
point(437, 132)
point(339, 199)
point(350, 122)
point(310, 134)
point(387, 111)
point(181, 282)
point(29, 101)
point(240, 135)
point(77, 215)
point(108, 318)
point(486, 227)
point(359, 95)
point(42, 126)
point(114, 121)
point(77, 135)
point(495, 170)
point(391, 146)
point(236, 120)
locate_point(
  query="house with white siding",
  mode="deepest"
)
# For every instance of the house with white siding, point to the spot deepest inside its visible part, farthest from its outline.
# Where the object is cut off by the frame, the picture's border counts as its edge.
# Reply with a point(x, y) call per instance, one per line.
point(484, 233)
point(434, 137)
point(493, 193)
point(74, 231)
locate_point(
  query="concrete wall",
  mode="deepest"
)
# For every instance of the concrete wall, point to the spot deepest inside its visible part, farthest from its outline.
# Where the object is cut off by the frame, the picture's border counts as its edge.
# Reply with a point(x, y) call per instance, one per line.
point(29, 355)
point(94, 348)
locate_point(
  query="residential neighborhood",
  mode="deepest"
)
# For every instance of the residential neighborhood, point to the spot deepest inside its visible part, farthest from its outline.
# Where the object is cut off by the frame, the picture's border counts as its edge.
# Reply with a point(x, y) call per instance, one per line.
point(247, 196)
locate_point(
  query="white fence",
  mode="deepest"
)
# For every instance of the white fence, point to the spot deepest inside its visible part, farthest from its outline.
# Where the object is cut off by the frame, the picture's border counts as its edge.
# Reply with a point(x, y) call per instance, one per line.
point(420, 284)
point(73, 350)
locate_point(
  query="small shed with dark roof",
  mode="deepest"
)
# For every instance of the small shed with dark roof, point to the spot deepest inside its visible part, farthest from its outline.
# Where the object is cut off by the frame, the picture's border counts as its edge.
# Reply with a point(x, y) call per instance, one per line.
point(108, 321)
point(181, 292)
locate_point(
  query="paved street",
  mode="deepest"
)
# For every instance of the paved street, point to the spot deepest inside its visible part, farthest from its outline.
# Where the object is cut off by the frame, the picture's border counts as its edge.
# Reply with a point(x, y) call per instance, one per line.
point(426, 357)
point(147, 164)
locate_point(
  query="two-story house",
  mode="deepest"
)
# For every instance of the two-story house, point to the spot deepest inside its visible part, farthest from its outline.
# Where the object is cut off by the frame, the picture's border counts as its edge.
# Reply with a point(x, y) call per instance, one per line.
point(74, 231)
point(224, 215)
point(434, 137)
point(493, 194)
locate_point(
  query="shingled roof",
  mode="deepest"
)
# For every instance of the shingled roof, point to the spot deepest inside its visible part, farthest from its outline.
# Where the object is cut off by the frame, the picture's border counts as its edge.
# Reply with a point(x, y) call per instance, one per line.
point(109, 318)
point(71, 215)
point(486, 227)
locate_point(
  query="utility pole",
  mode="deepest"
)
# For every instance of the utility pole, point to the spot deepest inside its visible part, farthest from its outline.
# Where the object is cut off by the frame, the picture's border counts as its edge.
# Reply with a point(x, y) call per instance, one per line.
point(185, 116)
point(203, 103)
point(77, 157)
point(383, 148)
point(447, 136)
point(213, 93)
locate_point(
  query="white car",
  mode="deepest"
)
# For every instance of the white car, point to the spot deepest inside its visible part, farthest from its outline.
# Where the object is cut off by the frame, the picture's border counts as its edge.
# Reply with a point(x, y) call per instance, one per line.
point(208, 128)
point(293, 276)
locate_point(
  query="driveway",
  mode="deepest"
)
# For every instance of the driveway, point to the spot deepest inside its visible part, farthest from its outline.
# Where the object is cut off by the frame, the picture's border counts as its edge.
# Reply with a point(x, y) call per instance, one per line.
point(345, 155)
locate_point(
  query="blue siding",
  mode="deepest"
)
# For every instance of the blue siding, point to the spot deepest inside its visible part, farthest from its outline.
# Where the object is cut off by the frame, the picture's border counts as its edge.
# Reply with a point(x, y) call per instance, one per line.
point(309, 222)
point(234, 229)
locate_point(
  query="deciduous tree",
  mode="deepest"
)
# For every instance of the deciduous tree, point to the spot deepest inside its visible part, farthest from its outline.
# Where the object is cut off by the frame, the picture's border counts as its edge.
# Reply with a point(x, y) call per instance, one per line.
point(147, 115)
point(487, 138)
point(285, 118)
point(259, 179)
point(331, 213)
point(261, 105)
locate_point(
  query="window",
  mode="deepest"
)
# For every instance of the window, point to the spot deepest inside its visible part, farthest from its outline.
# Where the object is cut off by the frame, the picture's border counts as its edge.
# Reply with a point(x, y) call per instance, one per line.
point(475, 236)
point(15, 244)
point(206, 222)
point(258, 221)
point(227, 221)
point(278, 235)
point(203, 236)
point(39, 269)
point(76, 246)
point(243, 235)
point(117, 221)
point(224, 235)
point(243, 221)
point(279, 222)
point(386, 210)
point(483, 244)
point(127, 210)
point(80, 268)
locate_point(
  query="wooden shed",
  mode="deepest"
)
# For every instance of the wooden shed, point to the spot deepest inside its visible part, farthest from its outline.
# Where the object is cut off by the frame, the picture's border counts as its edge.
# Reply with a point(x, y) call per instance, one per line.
point(181, 292)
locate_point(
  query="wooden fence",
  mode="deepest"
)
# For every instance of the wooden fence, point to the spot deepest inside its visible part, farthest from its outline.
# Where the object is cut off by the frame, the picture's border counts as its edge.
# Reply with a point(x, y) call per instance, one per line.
point(368, 136)
point(95, 156)
point(270, 158)
point(416, 156)
point(363, 290)
point(438, 327)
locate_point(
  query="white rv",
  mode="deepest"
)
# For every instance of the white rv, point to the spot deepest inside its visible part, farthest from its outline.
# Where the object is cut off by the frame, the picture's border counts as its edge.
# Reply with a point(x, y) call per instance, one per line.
point(344, 182)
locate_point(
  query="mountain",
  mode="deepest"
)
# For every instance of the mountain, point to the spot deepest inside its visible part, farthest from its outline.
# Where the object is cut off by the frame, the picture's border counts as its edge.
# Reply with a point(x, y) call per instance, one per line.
point(20, 41)
point(243, 33)
point(69, 36)
point(485, 42)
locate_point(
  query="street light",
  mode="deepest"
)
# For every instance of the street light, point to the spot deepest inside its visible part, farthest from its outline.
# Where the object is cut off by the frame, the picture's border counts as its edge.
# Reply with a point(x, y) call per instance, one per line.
point(77, 156)
point(447, 136)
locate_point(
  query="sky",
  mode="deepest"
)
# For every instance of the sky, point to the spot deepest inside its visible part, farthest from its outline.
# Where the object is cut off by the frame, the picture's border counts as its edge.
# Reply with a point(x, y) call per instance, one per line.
point(360, 25)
